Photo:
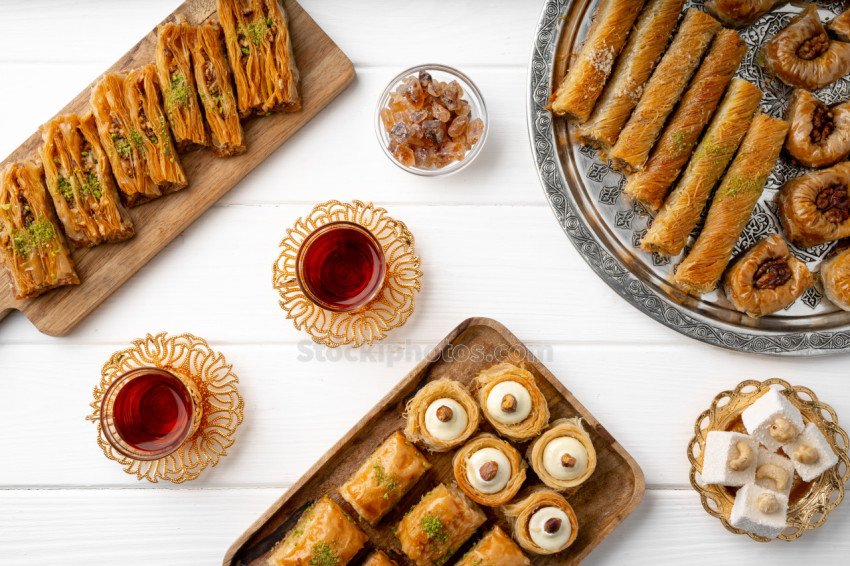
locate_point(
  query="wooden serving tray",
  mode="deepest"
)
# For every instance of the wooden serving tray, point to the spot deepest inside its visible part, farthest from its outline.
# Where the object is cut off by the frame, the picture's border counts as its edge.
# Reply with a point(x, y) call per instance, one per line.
point(325, 72)
point(612, 493)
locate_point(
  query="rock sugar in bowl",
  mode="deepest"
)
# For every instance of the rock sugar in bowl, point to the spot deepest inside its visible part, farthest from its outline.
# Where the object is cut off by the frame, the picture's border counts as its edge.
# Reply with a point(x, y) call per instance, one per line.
point(431, 120)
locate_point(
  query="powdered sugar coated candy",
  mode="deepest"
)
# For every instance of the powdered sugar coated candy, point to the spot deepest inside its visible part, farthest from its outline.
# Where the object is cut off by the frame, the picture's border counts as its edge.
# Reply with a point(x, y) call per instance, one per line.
point(729, 459)
point(811, 453)
point(774, 472)
point(773, 420)
point(759, 511)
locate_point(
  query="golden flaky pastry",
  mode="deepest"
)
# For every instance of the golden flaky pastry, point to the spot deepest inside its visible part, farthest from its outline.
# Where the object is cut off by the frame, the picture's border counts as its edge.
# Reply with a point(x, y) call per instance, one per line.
point(835, 274)
point(740, 13)
point(489, 470)
point(819, 134)
point(767, 279)
point(379, 558)
point(441, 416)
point(563, 457)
point(436, 527)
point(384, 478)
point(324, 534)
point(511, 401)
point(803, 55)
point(543, 522)
point(495, 549)
point(815, 208)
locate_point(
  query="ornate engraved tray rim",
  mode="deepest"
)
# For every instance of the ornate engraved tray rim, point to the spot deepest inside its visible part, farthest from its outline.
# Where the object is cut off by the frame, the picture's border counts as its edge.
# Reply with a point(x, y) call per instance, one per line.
point(610, 259)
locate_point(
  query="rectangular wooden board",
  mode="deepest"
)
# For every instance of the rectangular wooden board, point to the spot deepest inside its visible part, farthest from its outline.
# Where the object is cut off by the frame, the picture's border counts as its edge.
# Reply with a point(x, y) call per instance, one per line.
point(613, 492)
point(325, 73)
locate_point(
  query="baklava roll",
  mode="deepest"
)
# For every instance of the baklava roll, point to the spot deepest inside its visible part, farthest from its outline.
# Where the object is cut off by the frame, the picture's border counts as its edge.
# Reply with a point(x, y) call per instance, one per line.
point(80, 183)
point(663, 91)
point(643, 49)
point(379, 558)
point(563, 457)
point(260, 51)
point(511, 401)
point(739, 13)
point(840, 25)
point(384, 478)
point(324, 534)
point(767, 279)
point(577, 94)
point(835, 275)
point(436, 527)
point(32, 246)
point(732, 205)
point(543, 523)
point(495, 549)
point(681, 212)
point(121, 141)
point(815, 208)
point(489, 470)
point(441, 416)
point(819, 136)
point(141, 91)
point(212, 76)
point(180, 96)
point(651, 185)
point(803, 55)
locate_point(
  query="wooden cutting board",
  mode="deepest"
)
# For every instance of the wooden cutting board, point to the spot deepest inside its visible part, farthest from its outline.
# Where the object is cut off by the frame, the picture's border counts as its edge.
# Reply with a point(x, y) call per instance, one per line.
point(325, 73)
point(613, 491)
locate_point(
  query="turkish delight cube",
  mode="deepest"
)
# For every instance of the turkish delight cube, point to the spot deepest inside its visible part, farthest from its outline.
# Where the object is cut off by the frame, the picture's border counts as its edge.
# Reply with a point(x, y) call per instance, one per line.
point(729, 459)
point(811, 453)
point(773, 420)
point(759, 511)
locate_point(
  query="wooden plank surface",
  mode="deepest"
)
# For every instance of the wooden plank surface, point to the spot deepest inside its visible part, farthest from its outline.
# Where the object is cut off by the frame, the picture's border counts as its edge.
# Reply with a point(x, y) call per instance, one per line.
point(325, 72)
point(601, 503)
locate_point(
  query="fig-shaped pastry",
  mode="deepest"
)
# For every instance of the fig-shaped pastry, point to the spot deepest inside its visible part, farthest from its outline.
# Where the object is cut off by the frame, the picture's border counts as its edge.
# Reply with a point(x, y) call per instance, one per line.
point(511, 401)
point(563, 457)
point(767, 279)
point(739, 13)
point(495, 549)
point(543, 523)
point(803, 54)
point(819, 135)
point(436, 527)
point(840, 25)
point(815, 208)
point(441, 416)
point(835, 274)
point(489, 470)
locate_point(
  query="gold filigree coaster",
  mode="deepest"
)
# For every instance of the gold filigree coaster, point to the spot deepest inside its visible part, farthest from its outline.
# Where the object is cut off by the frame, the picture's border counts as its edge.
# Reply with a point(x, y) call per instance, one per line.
point(810, 503)
point(392, 306)
point(189, 358)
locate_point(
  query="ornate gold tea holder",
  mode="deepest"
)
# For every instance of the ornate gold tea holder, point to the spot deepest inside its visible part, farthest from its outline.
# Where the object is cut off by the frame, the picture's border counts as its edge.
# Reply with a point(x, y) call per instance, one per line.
point(391, 307)
point(190, 359)
point(810, 502)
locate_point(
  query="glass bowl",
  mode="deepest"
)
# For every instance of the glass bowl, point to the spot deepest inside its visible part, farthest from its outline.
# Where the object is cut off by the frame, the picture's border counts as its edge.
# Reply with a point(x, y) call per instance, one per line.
point(470, 93)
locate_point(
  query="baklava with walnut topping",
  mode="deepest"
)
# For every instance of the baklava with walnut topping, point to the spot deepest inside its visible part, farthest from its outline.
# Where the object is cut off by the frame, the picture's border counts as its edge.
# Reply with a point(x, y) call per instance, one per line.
point(260, 51)
point(815, 208)
point(819, 134)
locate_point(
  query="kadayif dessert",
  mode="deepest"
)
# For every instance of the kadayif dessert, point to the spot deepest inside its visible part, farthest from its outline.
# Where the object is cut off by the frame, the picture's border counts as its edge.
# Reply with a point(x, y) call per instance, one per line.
point(543, 523)
point(563, 457)
point(489, 470)
point(441, 416)
point(511, 401)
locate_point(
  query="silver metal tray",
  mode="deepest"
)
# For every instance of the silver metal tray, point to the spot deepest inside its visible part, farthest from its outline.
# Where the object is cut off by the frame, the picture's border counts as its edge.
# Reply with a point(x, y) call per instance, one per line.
point(606, 226)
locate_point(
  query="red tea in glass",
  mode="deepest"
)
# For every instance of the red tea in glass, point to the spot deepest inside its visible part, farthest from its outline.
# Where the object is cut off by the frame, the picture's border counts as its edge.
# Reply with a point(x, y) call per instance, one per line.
point(149, 412)
point(341, 266)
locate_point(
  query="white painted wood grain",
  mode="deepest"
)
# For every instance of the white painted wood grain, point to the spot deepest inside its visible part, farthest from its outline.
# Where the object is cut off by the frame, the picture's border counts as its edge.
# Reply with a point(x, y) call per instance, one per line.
point(195, 527)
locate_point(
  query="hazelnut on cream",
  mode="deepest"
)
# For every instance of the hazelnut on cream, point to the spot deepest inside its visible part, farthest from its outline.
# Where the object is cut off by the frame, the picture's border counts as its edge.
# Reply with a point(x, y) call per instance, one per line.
point(445, 419)
point(509, 402)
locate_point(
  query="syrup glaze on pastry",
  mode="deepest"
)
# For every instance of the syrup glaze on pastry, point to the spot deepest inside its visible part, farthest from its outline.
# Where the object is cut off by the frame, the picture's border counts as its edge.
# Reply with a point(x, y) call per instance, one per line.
point(767, 279)
point(819, 135)
point(835, 274)
point(495, 549)
point(739, 13)
point(803, 54)
point(815, 208)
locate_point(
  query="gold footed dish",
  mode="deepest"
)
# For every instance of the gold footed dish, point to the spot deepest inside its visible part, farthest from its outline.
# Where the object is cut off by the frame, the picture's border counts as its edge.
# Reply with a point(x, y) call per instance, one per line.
point(810, 502)
point(389, 309)
point(217, 408)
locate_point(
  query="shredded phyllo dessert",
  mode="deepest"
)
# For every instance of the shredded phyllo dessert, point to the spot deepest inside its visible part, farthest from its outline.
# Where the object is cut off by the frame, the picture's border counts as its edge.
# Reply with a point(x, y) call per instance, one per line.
point(32, 246)
point(260, 51)
point(212, 77)
point(429, 123)
point(577, 95)
point(141, 91)
point(180, 97)
point(122, 142)
point(740, 13)
point(80, 183)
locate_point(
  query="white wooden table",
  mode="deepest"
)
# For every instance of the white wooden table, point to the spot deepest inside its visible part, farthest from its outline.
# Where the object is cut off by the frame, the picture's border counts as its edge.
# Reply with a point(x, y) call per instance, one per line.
point(490, 246)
